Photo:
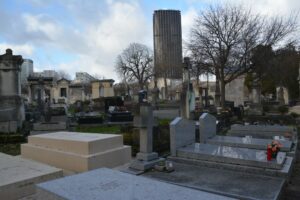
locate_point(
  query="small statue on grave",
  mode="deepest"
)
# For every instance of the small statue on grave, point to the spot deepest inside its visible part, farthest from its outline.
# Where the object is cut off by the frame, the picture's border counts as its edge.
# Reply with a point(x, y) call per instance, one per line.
point(47, 111)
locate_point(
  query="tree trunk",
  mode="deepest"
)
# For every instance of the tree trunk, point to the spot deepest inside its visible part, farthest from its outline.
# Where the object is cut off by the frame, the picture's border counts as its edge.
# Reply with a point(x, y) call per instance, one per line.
point(222, 92)
point(166, 87)
point(222, 81)
point(141, 86)
point(217, 92)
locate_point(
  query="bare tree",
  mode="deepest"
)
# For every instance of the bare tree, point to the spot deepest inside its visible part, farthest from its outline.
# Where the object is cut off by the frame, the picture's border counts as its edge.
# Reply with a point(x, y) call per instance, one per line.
point(63, 74)
point(226, 35)
point(135, 64)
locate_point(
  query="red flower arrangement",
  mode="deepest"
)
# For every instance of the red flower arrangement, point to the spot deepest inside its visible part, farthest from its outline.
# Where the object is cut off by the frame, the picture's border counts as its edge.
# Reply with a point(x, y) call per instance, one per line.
point(273, 149)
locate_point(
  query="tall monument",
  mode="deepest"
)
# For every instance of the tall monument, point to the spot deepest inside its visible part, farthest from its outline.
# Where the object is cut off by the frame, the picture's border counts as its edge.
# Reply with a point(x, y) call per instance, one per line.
point(11, 106)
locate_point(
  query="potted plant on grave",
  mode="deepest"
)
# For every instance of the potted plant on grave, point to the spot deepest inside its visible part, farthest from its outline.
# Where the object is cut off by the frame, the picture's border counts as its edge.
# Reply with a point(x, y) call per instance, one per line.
point(273, 149)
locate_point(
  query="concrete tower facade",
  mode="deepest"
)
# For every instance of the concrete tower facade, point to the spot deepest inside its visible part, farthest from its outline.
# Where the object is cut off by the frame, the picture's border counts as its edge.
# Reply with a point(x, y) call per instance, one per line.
point(26, 70)
point(167, 37)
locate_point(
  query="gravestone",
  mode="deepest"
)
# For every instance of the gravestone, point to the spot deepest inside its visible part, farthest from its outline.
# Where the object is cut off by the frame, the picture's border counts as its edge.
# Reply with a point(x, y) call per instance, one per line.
point(207, 127)
point(182, 133)
point(146, 158)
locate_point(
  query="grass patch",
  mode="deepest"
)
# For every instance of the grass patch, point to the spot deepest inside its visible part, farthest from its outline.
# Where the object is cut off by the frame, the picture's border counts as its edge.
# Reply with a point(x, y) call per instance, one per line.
point(99, 129)
point(11, 149)
point(164, 122)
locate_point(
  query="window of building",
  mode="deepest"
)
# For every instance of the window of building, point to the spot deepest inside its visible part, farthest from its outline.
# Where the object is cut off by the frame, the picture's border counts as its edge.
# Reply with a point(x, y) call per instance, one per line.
point(63, 92)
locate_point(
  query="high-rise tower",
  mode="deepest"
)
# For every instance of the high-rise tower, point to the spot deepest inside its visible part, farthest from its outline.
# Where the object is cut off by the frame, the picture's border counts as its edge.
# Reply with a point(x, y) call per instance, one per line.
point(167, 37)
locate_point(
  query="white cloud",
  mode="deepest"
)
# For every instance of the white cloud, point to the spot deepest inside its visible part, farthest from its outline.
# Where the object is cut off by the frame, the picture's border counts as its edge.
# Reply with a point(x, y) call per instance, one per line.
point(97, 31)
point(98, 44)
point(42, 23)
point(265, 7)
point(25, 50)
point(187, 21)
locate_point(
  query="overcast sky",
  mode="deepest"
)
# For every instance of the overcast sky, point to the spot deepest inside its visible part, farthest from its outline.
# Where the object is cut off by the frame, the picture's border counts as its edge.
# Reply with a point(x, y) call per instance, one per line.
point(87, 35)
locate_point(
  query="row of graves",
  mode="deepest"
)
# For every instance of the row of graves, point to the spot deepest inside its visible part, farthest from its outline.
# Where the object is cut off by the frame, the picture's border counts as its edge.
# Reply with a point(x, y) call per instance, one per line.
point(109, 110)
point(253, 162)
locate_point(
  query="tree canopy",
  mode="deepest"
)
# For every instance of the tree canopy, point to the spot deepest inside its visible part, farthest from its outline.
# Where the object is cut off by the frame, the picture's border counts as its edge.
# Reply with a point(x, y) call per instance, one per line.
point(225, 36)
point(135, 64)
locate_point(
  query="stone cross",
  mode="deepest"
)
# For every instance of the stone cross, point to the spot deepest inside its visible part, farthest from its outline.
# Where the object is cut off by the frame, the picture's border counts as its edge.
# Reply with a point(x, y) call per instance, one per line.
point(187, 102)
point(144, 120)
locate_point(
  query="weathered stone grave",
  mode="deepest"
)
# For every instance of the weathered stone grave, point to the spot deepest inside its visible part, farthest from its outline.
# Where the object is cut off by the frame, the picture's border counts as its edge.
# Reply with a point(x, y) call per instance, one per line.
point(77, 152)
point(109, 184)
point(119, 114)
point(18, 176)
point(89, 118)
point(12, 112)
point(146, 158)
point(217, 151)
point(231, 155)
point(182, 133)
point(210, 164)
point(207, 127)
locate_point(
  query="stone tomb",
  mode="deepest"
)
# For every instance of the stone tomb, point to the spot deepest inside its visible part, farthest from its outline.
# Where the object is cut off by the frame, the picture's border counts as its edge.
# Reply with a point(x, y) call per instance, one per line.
point(228, 151)
point(114, 185)
point(231, 155)
point(77, 152)
point(18, 176)
point(207, 128)
point(248, 142)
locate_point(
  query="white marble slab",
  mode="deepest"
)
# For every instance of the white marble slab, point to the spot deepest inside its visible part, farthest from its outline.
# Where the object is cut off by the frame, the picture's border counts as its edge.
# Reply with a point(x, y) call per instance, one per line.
point(232, 155)
point(18, 176)
point(114, 185)
point(80, 143)
point(248, 142)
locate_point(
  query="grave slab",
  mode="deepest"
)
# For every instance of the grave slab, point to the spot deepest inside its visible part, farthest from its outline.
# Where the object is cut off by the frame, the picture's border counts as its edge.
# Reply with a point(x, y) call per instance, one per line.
point(248, 142)
point(114, 185)
point(230, 183)
point(261, 131)
point(233, 155)
point(18, 176)
point(81, 143)
point(285, 172)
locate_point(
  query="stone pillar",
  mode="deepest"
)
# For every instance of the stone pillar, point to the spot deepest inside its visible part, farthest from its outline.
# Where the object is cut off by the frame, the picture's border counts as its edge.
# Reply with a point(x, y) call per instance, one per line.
point(146, 158)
